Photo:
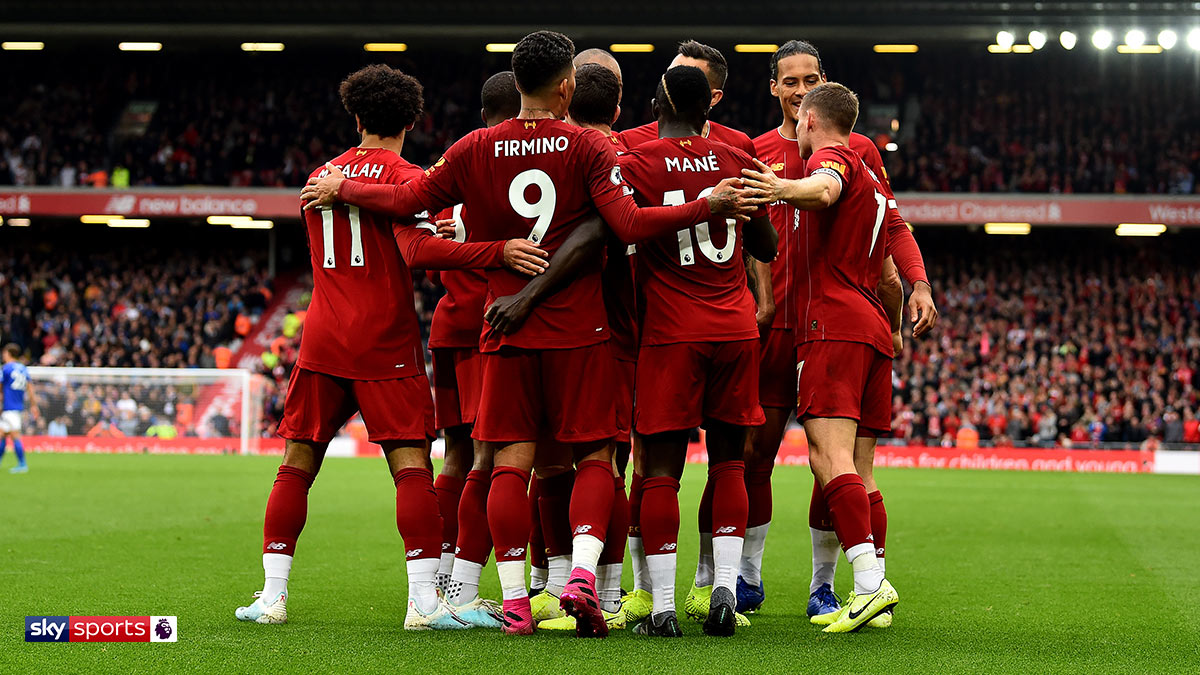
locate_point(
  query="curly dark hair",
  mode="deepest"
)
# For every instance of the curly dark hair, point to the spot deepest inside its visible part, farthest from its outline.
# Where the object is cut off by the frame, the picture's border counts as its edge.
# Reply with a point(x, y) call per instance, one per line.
point(385, 100)
point(597, 95)
point(718, 68)
point(540, 59)
point(793, 48)
point(684, 94)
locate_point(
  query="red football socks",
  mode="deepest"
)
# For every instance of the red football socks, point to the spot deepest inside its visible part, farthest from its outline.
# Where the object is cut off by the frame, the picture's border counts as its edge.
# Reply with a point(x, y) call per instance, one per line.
point(758, 491)
point(474, 538)
point(730, 507)
point(618, 526)
point(287, 509)
point(449, 490)
point(417, 516)
point(847, 499)
point(508, 513)
point(537, 543)
point(592, 499)
point(635, 505)
point(660, 515)
point(819, 516)
point(554, 507)
point(878, 521)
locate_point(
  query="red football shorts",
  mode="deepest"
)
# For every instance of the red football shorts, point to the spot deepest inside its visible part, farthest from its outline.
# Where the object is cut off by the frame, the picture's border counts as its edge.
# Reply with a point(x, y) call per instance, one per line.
point(682, 384)
point(777, 374)
point(626, 374)
point(317, 405)
point(566, 394)
point(457, 381)
point(845, 379)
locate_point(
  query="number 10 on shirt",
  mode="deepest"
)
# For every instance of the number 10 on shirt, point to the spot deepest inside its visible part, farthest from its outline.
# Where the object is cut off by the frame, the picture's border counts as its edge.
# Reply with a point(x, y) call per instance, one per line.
point(703, 235)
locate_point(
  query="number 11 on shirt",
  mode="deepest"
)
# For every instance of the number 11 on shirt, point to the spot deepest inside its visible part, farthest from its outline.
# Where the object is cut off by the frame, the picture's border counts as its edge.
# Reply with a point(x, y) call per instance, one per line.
point(356, 247)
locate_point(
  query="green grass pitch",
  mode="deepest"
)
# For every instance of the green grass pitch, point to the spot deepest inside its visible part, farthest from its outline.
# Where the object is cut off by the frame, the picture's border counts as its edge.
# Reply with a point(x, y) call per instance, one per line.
point(997, 572)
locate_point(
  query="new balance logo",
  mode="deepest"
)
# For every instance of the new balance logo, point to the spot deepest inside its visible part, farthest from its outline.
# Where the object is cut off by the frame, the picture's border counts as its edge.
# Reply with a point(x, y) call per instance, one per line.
point(277, 546)
point(583, 529)
point(728, 529)
point(667, 547)
point(514, 553)
point(445, 546)
point(414, 553)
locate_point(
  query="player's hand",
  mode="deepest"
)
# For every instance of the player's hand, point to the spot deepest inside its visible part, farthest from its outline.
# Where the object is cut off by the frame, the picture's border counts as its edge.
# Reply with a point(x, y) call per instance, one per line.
point(508, 313)
point(445, 228)
point(323, 191)
point(764, 317)
point(521, 255)
point(921, 310)
point(763, 186)
point(729, 200)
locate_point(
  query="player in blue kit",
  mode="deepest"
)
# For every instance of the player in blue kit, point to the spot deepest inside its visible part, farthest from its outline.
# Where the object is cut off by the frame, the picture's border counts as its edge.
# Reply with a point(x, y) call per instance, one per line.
point(16, 389)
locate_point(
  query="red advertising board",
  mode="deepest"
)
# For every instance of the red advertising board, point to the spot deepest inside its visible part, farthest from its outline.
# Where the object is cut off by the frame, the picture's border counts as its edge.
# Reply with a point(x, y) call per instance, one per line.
point(920, 208)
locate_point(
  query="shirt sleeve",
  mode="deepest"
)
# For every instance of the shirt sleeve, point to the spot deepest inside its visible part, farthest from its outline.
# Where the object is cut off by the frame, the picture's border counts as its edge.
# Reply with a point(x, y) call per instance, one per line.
point(614, 200)
point(902, 245)
point(422, 249)
point(438, 188)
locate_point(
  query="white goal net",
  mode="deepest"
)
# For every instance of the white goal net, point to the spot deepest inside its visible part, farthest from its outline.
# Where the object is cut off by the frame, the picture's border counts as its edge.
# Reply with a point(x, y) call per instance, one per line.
point(171, 408)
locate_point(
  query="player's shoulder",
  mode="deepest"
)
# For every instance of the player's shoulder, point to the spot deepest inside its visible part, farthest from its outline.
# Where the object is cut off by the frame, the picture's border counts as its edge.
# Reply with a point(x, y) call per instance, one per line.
point(866, 149)
point(731, 136)
point(639, 135)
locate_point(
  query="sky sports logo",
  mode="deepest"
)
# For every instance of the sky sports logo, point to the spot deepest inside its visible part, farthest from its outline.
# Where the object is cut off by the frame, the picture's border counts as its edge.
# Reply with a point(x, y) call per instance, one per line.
point(101, 629)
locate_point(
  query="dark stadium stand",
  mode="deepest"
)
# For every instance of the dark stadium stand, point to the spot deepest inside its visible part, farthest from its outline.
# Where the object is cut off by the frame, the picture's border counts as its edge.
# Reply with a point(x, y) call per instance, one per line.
point(966, 120)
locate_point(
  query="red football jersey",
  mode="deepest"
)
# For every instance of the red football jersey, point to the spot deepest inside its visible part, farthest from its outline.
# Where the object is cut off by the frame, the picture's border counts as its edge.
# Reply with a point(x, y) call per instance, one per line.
point(620, 300)
point(839, 257)
point(692, 284)
point(458, 317)
point(716, 132)
point(902, 246)
point(533, 178)
point(783, 156)
point(361, 323)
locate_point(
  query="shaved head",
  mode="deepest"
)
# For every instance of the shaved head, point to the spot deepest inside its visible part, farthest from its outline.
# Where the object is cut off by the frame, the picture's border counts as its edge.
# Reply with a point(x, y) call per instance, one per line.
point(600, 58)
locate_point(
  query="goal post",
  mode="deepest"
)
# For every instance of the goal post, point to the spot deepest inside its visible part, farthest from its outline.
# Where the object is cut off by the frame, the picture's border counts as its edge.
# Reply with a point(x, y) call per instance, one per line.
point(169, 406)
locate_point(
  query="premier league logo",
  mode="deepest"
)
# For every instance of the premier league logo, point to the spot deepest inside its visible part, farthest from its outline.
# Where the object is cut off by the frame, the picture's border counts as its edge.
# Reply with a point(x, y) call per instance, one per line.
point(163, 629)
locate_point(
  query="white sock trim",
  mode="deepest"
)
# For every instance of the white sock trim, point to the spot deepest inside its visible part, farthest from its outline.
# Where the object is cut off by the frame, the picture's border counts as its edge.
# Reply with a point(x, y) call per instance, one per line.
point(512, 579)
point(585, 552)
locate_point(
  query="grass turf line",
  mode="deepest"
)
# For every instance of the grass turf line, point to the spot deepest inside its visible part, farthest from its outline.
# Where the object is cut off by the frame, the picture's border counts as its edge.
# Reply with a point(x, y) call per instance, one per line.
point(997, 572)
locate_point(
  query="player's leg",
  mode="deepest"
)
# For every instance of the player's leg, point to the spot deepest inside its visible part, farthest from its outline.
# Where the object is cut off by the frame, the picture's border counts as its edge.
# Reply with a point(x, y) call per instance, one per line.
point(552, 527)
point(726, 473)
point(18, 445)
point(474, 546)
point(584, 419)
point(876, 421)
point(831, 386)
point(761, 448)
point(823, 603)
point(456, 375)
point(3, 441)
point(663, 460)
point(638, 604)
point(509, 419)
point(404, 432)
point(539, 561)
point(449, 485)
point(731, 409)
point(315, 407)
point(612, 558)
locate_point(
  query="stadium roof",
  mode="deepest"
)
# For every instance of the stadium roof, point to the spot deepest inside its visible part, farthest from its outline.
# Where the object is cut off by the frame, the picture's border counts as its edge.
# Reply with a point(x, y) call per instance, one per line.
point(413, 21)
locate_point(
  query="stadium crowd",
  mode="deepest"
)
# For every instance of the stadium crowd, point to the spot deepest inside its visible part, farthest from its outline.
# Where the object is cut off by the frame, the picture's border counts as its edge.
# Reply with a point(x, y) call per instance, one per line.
point(1006, 363)
point(963, 123)
point(126, 307)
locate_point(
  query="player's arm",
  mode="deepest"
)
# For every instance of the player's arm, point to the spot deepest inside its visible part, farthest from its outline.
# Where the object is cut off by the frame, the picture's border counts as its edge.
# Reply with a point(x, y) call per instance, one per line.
point(508, 313)
point(818, 191)
point(902, 247)
point(891, 293)
point(423, 249)
point(761, 240)
point(632, 224)
point(758, 275)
